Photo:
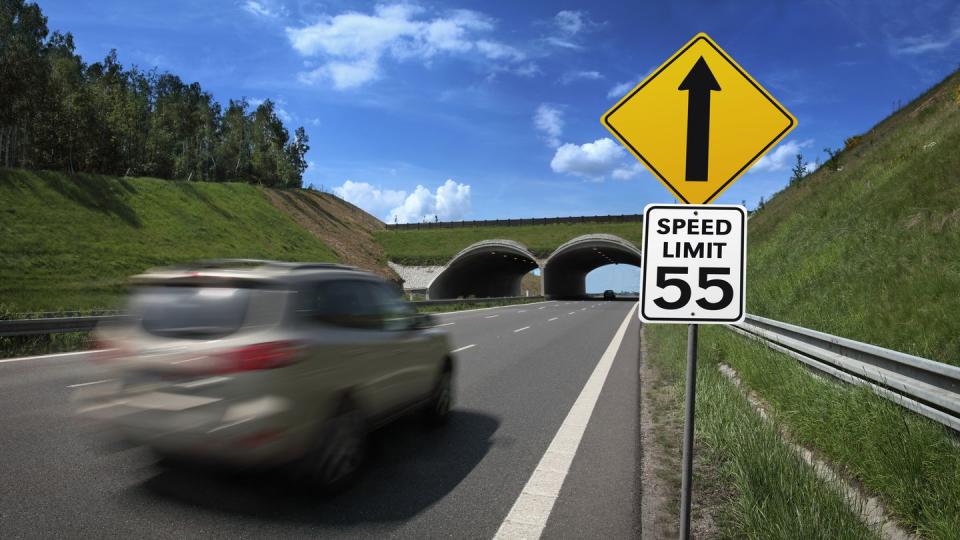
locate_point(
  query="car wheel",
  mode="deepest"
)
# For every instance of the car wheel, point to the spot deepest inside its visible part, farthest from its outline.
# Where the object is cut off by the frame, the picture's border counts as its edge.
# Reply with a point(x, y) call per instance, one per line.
point(339, 450)
point(438, 408)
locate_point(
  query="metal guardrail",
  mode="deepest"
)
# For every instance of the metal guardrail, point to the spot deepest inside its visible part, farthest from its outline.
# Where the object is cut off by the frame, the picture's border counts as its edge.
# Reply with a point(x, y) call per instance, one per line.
point(59, 325)
point(924, 386)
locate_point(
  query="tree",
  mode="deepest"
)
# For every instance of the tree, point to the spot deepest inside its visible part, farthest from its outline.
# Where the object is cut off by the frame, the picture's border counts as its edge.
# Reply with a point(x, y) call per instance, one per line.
point(799, 170)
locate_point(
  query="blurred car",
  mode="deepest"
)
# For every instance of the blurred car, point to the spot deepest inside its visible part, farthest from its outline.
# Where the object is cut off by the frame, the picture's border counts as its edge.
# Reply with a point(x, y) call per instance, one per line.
point(266, 363)
point(609, 295)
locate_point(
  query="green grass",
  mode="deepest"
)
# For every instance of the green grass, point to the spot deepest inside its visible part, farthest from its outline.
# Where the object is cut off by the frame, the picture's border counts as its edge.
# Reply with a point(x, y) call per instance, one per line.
point(70, 242)
point(911, 462)
point(871, 252)
point(768, 492)
point(437, 246)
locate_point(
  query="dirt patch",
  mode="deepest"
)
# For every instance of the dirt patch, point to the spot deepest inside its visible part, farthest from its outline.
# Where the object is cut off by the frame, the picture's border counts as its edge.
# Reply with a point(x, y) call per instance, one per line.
point(346, 229)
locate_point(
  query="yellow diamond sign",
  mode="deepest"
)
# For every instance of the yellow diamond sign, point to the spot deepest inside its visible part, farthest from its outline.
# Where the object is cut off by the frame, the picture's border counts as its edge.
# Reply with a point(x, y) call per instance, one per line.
point(698, 121)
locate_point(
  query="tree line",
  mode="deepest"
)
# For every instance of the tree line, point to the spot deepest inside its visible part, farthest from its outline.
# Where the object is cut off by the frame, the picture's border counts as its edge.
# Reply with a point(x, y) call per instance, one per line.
point(57, 112)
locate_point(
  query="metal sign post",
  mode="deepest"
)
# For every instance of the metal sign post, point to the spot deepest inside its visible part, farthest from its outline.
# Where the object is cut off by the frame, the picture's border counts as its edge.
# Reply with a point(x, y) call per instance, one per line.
point(689, 407)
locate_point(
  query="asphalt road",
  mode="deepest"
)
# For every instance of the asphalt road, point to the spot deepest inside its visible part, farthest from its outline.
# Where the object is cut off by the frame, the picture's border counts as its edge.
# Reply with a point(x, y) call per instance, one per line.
point(520, 370)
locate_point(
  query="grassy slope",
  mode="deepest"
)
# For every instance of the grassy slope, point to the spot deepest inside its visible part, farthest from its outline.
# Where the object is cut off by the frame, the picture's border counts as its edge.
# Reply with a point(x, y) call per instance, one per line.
point(70, 242)
point(871, 252)
point(437, 246)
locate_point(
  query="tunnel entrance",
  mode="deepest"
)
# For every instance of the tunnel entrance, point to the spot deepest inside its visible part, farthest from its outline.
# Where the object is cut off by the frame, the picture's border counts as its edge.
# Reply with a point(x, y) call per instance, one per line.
point(565, 271)
point(492, 268)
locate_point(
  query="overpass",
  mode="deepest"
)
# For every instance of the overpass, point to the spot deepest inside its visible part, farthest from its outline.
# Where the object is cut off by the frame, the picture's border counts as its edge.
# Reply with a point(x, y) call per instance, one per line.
point(493, 268)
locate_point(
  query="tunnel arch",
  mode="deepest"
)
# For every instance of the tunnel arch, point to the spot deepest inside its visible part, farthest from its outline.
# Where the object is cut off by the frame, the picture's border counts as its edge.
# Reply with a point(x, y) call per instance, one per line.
point(565, 271)
point(489, 268)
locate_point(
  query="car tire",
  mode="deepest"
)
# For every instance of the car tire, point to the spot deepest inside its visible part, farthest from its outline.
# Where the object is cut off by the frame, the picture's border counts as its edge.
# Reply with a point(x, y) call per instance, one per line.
point(336, 458)
point(437, 410)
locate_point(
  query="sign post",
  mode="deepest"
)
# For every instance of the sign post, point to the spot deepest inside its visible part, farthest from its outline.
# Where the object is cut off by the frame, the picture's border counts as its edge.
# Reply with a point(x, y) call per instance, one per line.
point(698, 122)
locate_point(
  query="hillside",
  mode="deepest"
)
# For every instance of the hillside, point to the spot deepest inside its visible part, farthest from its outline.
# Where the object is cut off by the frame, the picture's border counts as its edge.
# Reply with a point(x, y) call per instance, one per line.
point(437, 246)
point(347, 229)
point(869, 248)
point(70, 242)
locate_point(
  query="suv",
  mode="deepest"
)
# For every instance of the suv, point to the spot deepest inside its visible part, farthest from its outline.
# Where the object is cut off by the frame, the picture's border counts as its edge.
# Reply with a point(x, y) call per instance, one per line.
point(261, 363)
point(609, 295)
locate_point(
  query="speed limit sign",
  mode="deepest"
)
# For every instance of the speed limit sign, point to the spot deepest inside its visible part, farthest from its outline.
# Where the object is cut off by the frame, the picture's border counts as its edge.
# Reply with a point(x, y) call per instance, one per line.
point(693, 264)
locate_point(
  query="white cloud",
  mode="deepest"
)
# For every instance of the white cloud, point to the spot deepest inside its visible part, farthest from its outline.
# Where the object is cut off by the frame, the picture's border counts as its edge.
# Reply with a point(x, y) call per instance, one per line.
point(549, 120)
point(593, 161)
point(620, 90)
point(368, 197)
point(570, 22)
point(781, 158)
point(450, 202)
point(572, 76)
point(353, 45)
point(627, 172)
point(263, 9)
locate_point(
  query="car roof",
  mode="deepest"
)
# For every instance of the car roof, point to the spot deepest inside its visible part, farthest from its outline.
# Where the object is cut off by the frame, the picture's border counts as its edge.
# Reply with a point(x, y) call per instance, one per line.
point(253, 269)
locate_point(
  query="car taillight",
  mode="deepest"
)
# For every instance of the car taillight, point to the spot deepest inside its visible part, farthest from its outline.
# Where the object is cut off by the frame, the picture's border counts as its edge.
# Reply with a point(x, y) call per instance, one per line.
point(258, 356)
point(105, 351)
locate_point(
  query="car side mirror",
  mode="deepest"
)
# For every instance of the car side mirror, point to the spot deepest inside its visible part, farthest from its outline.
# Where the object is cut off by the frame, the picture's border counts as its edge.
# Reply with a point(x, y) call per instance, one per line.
point(423, 320)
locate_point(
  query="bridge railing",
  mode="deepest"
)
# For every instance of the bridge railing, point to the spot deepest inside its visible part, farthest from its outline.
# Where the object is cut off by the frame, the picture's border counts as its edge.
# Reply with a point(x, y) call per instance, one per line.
point(623, 218)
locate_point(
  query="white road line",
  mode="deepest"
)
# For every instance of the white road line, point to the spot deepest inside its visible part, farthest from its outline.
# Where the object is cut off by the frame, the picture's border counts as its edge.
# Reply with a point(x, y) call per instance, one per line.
point(553, 319)
point(491, 316)
point(544, 307)
point(572, 313)
point(530, 511)
point(78, 385)
point(521, 311)
point(49, 356)
point(583, 309)
point(464, 348)
point(444, 313)
point(521, 329)
point(444, 324)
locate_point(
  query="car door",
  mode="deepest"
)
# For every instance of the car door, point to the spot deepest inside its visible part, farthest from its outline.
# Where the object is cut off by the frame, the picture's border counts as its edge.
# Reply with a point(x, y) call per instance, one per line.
point(411, 356)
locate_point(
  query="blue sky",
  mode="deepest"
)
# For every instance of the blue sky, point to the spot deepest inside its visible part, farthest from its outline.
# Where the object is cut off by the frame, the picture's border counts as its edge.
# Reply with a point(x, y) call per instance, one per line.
point(488, 109)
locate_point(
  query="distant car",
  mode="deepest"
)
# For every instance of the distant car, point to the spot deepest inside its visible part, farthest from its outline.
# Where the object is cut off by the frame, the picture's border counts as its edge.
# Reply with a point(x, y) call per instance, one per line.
point(265, 363)
point(609, 295)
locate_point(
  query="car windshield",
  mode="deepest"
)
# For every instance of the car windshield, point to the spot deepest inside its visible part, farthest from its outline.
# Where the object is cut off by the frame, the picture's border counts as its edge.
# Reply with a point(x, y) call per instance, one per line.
point(191, 312)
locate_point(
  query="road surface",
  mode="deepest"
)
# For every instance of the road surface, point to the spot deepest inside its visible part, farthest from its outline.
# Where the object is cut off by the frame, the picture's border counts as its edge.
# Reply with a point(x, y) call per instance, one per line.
point(520, 371)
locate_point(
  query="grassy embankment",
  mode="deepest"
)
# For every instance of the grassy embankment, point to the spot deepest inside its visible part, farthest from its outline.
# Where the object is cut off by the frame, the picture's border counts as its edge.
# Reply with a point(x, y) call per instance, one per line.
point(867, 249)
point(71, 242)
point(437, 246)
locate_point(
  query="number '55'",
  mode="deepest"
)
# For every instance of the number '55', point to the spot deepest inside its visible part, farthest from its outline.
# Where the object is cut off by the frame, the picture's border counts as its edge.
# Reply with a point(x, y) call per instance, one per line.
point(705, 283)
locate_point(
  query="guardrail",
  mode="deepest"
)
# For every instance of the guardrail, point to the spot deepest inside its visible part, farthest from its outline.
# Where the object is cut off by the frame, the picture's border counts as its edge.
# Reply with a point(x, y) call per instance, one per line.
point(59, 325)
point(924, 386)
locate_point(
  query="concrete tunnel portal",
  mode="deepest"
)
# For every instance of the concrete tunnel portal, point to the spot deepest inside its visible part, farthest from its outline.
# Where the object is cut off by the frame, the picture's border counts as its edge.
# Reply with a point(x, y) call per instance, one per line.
point(565, 271)
point(490, 268)
point(495, 268)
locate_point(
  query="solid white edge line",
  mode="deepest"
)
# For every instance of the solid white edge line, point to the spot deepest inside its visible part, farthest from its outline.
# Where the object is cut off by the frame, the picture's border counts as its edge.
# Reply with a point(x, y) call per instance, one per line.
point(465, 347)
point(528, 516)
point(444, 324)
point(552, 319)
point(79, 385)
point(48, 356)
point(442, 313)
point(521, 329)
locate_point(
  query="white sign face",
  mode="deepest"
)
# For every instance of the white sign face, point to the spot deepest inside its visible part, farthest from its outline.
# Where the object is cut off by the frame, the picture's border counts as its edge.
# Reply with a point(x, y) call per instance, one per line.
point(694, 264)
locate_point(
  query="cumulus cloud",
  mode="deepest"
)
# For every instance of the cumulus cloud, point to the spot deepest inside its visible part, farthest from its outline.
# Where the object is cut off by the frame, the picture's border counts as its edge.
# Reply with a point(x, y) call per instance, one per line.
point(594, 160)
point(450, 202)
point(353, 45)
point(569, 22)
point(781, 158)
point(370, 198)
point(549, 120)
point(566, 28)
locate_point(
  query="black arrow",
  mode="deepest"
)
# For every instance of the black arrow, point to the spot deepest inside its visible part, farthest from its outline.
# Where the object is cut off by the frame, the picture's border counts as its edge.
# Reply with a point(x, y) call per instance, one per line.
point(699, 82)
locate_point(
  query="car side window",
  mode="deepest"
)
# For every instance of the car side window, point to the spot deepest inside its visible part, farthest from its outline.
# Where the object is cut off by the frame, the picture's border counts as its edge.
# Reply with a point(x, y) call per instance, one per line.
point(347, 303)
point(395, 312)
